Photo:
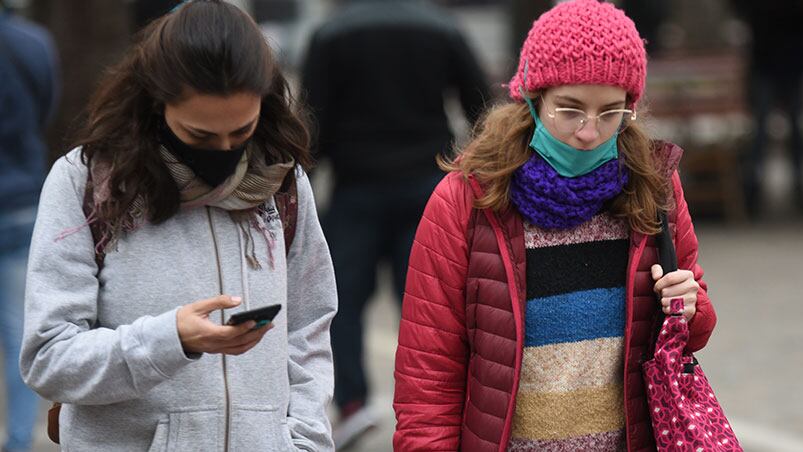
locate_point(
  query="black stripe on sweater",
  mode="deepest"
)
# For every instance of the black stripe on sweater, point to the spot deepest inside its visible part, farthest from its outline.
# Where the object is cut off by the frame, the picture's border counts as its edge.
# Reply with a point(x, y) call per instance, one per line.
point(570, 268)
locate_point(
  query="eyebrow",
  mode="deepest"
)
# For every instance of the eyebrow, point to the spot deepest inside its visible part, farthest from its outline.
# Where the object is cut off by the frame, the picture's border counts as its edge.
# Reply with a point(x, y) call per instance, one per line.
point(572, 100)
point(206, 132)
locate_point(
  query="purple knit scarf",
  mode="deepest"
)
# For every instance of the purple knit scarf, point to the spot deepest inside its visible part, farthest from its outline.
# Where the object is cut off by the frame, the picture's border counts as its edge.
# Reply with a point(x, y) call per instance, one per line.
point(551, 201)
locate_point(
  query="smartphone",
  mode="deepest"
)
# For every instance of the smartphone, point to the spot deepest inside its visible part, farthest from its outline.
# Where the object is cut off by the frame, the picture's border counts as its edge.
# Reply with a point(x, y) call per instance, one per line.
point(262, 316)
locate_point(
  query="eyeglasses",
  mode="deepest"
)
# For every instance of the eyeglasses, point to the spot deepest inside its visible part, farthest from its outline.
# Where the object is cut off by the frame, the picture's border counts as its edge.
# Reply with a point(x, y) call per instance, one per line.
point(571, 120)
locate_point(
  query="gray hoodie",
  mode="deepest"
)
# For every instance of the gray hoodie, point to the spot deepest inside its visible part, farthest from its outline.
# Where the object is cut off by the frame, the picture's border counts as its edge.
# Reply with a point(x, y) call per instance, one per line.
point(106, 343)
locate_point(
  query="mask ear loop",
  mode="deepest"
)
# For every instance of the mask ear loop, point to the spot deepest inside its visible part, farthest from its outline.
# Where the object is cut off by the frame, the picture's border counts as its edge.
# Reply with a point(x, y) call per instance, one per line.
point(521, 90)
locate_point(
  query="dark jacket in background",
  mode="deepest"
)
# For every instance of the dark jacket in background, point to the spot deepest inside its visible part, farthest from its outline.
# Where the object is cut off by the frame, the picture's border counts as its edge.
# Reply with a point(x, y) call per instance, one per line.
point(777, 35)
point(375, 77)
point(27, 98)
point(145, 11)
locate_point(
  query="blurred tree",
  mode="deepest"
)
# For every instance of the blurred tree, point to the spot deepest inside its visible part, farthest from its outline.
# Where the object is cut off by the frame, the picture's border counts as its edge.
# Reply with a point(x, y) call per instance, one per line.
point(90, 35)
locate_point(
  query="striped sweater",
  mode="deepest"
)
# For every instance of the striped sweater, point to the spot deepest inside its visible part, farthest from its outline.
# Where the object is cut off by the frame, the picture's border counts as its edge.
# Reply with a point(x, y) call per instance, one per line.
point(571, 388)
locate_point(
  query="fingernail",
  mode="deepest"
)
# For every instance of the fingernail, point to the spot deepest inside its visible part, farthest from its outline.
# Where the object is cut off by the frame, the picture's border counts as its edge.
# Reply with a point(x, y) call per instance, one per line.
point(236, 299)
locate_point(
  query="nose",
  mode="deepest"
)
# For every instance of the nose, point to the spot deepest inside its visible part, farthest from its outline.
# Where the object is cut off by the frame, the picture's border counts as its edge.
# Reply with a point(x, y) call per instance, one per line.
point(226, 144)
point(588, 133)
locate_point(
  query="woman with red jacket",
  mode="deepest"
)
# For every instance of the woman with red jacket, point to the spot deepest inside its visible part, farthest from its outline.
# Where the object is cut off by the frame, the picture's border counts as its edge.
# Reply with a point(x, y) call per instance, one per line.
point(531, 290)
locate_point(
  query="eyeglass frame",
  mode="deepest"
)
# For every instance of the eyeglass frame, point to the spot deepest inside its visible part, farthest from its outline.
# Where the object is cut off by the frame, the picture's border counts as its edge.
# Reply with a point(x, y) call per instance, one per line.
point(583, 121)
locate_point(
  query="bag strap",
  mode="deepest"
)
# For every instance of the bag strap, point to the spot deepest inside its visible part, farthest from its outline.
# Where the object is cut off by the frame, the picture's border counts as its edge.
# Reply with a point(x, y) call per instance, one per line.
point(669, 262)
point(53, 414)
point(666, 248)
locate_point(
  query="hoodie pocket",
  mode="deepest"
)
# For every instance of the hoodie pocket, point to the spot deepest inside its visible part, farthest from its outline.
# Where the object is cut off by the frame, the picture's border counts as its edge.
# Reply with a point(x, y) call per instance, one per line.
point(191, 430)
point(259, 428)
point(159, 441)
point(196, 430)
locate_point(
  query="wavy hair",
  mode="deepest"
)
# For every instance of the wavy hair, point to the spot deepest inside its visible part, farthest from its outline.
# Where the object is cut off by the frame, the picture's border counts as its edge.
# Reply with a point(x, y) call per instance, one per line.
point(500, 146)
point(207, 47)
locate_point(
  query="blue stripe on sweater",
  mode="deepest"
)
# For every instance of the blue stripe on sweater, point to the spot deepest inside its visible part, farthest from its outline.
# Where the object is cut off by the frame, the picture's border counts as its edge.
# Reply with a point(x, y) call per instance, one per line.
point(575, 316)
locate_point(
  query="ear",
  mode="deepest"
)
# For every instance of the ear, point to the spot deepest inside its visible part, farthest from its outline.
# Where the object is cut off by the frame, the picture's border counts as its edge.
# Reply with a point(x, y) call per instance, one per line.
point(157, 108)
point(629, 103)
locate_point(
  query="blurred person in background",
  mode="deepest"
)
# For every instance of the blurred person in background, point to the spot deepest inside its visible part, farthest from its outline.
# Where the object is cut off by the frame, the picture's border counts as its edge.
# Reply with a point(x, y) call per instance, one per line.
point(28, 93)
point(531, 291)
point(376, 76)
point(775, 78)
point(521, 14)
point(164, 222)
point(147, 10)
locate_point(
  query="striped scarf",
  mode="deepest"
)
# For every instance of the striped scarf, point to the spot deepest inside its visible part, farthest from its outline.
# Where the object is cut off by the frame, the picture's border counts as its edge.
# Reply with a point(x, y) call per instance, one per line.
point(253, 183)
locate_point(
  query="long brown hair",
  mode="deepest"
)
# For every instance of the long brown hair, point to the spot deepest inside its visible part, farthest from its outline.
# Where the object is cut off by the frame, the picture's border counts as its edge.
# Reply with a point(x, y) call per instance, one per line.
point(206, 47)
point(500, 145)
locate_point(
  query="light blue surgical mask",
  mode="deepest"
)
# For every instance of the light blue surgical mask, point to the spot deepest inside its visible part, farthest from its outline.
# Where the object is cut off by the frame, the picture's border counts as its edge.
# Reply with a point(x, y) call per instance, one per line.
point(569, 161)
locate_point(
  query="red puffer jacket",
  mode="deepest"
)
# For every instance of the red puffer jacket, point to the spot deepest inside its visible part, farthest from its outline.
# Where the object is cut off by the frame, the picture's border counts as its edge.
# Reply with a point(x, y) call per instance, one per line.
point(461, 335)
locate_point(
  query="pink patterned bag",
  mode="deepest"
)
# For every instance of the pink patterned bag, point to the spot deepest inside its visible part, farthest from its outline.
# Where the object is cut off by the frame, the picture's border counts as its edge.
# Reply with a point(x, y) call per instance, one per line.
point(686, 415)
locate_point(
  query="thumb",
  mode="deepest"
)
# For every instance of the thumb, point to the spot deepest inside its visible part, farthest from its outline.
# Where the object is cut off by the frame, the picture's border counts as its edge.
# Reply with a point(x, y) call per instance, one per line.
point(218, 302)
point(657, 272)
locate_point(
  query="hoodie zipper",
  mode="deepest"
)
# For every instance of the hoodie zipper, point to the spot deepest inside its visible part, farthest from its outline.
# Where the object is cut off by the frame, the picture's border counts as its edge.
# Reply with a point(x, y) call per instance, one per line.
point(222, 319)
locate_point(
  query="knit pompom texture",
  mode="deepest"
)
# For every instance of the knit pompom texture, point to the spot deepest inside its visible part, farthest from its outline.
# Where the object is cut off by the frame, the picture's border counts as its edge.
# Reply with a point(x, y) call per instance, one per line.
point(582, 42)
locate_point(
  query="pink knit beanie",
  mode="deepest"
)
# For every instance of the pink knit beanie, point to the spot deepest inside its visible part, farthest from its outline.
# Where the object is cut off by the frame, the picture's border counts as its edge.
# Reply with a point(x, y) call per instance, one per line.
point(582, 42)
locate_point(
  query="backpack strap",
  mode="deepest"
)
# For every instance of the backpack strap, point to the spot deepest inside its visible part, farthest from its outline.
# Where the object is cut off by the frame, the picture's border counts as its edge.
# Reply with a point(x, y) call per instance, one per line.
point(286, 200)
point(88, 205)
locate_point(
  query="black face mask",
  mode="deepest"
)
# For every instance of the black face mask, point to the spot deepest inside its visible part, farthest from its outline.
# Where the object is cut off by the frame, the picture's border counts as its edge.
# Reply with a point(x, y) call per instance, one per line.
point(211, 165)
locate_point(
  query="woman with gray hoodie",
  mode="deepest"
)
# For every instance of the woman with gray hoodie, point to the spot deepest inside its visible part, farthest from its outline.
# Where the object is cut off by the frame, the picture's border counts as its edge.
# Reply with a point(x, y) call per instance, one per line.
point(185, 202)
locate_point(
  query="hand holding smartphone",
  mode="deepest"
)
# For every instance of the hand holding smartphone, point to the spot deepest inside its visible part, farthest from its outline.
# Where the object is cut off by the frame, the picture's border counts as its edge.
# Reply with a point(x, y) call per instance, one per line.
point(262, 316)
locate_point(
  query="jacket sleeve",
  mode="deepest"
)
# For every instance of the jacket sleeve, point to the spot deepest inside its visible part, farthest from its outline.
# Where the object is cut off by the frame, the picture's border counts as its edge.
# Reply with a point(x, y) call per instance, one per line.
point(311, 305)
point(703, 322)
point(432, 355)
point(65, 355)
point(316, 83)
